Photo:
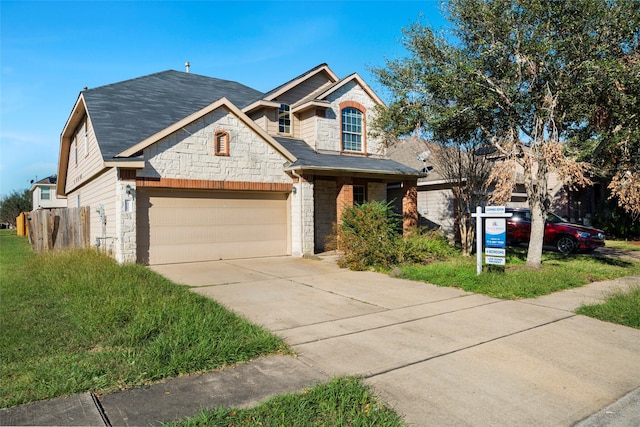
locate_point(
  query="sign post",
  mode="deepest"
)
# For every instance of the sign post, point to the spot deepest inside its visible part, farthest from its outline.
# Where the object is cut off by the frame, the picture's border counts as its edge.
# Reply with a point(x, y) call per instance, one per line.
point(495, 237)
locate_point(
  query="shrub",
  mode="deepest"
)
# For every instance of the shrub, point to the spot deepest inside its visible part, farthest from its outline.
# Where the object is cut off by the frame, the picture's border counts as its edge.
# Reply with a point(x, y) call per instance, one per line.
point(423, 246)
point(368, 235)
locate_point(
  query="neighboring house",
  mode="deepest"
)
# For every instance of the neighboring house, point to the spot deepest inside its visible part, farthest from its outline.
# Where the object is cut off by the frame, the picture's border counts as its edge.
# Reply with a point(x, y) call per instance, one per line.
point(435, 198)
point(44, 194)
point(179, 167)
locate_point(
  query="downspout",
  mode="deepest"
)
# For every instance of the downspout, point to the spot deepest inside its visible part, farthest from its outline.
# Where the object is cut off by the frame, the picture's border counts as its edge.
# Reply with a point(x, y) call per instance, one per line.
point(294, 173)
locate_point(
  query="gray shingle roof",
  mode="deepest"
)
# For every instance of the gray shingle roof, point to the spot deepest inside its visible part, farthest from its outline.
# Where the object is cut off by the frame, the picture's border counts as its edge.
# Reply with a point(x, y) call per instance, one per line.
point(307, 158)
point(48, 180)
point(125, 113)
point(406, 151)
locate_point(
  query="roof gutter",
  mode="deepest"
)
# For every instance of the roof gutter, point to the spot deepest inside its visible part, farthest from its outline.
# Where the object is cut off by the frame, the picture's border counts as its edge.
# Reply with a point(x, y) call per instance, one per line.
point(342, 171)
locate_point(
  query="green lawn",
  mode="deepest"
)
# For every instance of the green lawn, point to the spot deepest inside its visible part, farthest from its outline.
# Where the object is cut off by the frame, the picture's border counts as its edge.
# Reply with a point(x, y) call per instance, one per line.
point(341, 402)
point(622, 308)
point(78, 321)
point(515, 281)
point(623, 244)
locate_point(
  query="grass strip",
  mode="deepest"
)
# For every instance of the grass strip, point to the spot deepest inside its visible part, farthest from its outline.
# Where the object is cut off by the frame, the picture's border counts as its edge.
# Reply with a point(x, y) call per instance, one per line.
point(340, 402)
point(76, 321)
point(516, 281)
point(622, 308)
point(623, 245)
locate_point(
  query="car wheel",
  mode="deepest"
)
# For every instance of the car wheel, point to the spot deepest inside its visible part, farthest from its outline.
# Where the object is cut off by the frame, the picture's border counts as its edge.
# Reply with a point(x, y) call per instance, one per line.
point(566, 244)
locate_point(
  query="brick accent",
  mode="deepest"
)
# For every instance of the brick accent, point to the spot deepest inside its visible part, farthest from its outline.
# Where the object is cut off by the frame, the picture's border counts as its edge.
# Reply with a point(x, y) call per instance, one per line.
point(409, 205)
point(197, 184)
point(127, 174)
point(345, 195)
point(221, 143)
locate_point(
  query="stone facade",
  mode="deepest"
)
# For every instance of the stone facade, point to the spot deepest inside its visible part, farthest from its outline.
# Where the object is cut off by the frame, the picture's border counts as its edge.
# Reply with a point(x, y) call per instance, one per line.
point(329, 128)
point(189, 153)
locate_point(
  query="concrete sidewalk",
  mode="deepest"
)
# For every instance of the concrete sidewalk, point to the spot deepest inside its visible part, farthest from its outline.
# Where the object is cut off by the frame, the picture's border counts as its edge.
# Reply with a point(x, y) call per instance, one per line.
point(440, 356)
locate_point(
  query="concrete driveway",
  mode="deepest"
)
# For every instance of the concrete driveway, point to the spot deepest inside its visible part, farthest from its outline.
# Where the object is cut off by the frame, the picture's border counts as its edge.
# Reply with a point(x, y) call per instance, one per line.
point(439, 356)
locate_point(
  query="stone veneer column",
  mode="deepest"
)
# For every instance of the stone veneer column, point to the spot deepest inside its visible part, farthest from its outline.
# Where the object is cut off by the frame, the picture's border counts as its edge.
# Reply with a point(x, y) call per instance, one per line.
point(302, 218)
point(409, 205)
point(125, 244)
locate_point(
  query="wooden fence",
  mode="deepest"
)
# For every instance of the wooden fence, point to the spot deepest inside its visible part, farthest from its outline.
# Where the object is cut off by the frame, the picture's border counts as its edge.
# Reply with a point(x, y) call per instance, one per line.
point(55, 229)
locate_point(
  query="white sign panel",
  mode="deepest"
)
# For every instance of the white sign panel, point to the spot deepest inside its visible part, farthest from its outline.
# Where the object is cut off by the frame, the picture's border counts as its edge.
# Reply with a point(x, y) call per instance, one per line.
point(495, 252)
point(494, 209)
point(492, 260)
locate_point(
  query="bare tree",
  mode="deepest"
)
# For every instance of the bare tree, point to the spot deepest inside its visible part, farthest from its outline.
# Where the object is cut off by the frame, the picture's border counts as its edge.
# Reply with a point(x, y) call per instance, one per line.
point(467, 173)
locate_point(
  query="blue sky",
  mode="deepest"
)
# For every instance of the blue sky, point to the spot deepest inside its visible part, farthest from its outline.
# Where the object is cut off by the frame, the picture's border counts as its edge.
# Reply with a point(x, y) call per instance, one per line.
point(50, 50)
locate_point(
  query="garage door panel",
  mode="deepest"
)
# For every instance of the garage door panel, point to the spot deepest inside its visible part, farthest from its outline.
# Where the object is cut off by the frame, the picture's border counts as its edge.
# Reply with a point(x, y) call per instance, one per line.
point(220, 234)
point(201, 226)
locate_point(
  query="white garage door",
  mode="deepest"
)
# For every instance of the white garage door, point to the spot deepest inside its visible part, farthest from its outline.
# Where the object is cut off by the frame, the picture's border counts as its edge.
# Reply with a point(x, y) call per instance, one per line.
point(180, 226)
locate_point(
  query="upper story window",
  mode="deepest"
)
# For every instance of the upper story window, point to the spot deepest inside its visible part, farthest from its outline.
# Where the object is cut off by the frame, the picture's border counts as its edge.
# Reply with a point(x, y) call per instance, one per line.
point(352, 129)
point(45, 193)
point(221, 143)
point(284, 119)
point(74, 145)
point(86, 139)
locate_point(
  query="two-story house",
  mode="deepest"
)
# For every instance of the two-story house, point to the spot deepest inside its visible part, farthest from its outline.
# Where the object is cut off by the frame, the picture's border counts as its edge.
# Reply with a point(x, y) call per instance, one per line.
point(180, 167)
point(43, 194)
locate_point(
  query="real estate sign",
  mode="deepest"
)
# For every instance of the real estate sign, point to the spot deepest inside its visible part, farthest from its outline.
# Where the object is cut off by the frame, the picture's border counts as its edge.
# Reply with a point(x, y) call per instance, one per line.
point(495, 233)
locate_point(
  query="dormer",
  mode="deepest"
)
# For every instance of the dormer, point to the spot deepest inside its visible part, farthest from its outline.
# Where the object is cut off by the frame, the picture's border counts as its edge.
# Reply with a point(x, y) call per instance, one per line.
point(275, 111)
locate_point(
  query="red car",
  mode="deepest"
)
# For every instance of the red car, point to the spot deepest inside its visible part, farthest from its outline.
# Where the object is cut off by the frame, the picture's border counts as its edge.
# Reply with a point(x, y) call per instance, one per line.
point(564, 236)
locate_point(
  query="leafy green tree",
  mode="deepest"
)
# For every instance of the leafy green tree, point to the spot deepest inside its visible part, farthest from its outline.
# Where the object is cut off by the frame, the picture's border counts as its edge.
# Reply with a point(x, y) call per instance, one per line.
point(12, 205)
point(526, 77)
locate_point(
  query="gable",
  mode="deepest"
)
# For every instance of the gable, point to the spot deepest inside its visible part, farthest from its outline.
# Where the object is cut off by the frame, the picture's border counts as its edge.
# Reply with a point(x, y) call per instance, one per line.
point(303, 85)
point(190, 152)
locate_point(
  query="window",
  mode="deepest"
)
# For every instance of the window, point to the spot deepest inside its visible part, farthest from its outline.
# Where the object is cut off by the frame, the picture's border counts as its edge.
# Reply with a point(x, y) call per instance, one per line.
point(221, 143)
point(45, 193)
point(351, 129)
point(284, 119)
point(74, 147)
point(86, 139)
point(358, 194)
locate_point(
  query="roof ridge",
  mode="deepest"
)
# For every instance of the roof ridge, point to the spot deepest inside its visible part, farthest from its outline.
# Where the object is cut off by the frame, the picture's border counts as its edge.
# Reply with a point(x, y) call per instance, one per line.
point(127, 80)
point(167, 72)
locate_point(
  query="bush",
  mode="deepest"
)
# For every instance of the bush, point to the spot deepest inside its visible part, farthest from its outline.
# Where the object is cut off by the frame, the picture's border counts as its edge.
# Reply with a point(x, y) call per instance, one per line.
point(423, 246)
point(370, 236)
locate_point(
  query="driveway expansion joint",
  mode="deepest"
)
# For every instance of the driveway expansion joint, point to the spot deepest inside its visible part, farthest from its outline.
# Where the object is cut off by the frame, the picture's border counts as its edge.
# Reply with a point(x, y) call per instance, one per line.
point(389, 325)
point(458, 350)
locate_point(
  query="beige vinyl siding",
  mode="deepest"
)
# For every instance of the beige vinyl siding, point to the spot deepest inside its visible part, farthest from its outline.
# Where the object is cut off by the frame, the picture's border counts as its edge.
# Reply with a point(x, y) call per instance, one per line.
point(99, 191)
point(89, 163)
point(304, 89)
point(191, 226)
point(308, 126)
point(262, 118)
